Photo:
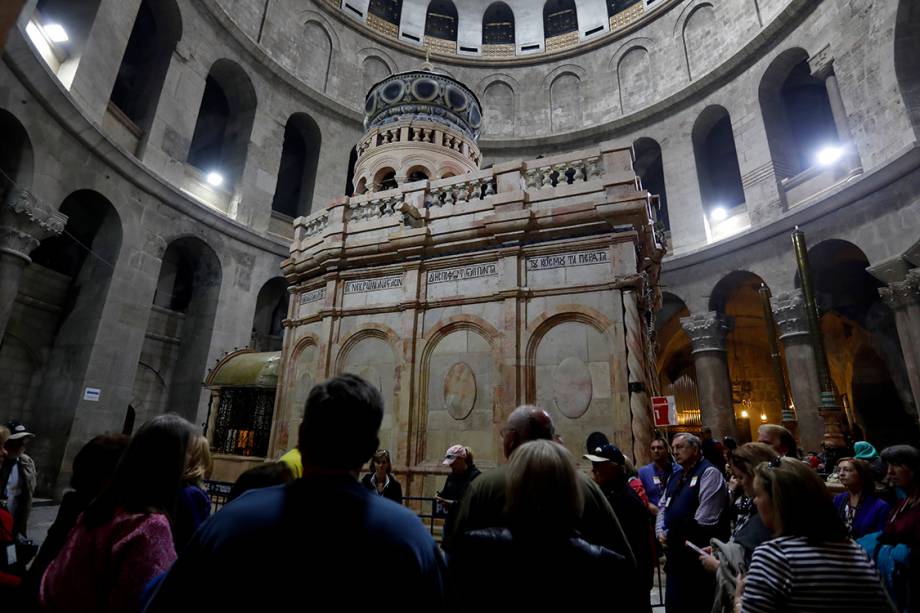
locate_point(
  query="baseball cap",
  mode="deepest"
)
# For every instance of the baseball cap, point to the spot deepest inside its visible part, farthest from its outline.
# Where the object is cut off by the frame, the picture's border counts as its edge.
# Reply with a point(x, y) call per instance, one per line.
point(18, 430)
point(606, 453)
point(454, 452)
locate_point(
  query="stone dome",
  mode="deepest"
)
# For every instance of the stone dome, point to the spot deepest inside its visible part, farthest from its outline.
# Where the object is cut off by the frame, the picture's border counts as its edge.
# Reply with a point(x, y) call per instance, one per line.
point(424, 95)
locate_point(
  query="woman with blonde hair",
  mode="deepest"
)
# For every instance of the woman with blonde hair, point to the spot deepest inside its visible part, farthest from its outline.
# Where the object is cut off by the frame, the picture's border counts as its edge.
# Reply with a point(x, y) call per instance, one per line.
point(194, 504)
point(810, 564)
point(544, 504)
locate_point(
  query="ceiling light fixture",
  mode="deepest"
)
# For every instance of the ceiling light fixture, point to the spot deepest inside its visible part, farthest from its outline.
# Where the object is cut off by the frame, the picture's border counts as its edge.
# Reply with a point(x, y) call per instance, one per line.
point(215, 179)
point(718, 214)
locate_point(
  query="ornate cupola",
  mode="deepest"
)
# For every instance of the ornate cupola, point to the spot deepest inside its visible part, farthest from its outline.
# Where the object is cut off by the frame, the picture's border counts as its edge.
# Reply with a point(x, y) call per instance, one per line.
point(418, 125)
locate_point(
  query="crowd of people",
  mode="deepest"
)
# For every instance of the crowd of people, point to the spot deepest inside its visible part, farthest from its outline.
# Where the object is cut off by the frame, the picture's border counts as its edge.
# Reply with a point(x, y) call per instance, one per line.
point(746, 527)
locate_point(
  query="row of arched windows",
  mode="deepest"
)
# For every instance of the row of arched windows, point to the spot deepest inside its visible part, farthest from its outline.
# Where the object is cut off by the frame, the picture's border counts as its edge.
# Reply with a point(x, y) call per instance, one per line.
point(559, 17)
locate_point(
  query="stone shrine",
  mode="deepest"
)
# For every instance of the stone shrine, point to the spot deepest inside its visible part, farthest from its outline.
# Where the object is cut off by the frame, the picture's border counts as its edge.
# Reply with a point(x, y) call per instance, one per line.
point(462, 292)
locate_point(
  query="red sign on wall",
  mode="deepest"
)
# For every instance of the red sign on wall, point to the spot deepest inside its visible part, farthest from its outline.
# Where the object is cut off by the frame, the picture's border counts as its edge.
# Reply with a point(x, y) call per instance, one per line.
point(664, 409)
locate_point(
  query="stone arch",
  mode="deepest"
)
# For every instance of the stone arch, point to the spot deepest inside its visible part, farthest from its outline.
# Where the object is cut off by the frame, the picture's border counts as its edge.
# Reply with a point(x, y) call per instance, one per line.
point(224, 124)
point(498, 104)
point(384, 178)
point(185, 304)
point(698, 33)
point(796, 112)
point(569, 370)
point(649, 166)
point(318, 39)
point(881, 412)
point(459, 389)
point(907, 58)
point(301, 374)
point(297, 173)
point(565, 99)
point(271, 309)
point(374, 69)
point(634, 70)
point(411, 166)
point(75, 272)
point(142, 73)
point(373, 352)
point(17, 157)
point(718, 172)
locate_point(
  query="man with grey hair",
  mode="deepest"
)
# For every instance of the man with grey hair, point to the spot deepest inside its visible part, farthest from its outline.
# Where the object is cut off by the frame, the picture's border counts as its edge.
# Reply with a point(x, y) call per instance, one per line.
point(693, 510)
point(483, 505)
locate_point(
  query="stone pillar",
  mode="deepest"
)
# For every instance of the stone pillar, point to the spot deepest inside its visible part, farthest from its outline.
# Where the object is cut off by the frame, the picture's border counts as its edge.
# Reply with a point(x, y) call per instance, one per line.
point(24, 223)
point(789, 311)
point(903, 297)
point(822, 67)
point(640, 406)
point(707, 332)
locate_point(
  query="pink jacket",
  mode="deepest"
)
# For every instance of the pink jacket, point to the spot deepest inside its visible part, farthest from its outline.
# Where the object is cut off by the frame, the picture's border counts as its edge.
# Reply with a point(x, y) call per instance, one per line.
point(105, 569)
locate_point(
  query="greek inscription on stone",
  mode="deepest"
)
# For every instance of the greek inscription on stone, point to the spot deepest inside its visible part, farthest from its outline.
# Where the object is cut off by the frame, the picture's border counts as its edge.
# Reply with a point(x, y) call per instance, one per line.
point(313, 295)
point(562, 260)
point(373, 285)
point(462, 273)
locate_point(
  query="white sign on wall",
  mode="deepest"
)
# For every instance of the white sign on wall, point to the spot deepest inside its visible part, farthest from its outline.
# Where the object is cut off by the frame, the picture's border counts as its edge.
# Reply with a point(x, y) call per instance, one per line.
point(93, 394)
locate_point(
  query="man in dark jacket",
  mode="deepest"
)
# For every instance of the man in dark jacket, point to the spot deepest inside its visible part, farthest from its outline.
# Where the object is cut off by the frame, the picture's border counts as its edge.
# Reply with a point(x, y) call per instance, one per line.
point(608, 467)
point(305, 543)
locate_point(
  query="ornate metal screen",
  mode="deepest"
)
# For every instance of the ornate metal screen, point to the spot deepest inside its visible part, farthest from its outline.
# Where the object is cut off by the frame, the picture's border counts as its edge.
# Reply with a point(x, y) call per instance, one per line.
point(244, 421)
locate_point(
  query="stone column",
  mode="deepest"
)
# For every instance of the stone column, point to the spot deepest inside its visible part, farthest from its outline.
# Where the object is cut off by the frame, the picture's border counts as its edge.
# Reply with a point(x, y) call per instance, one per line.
point(822, 67)
point(789, 311)
point(707, 332)
point(639, 403)
point(24, 223)
point(903, 297)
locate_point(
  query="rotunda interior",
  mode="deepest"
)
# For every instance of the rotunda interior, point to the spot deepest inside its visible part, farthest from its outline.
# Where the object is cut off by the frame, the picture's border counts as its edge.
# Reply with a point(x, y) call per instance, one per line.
point(208, 206)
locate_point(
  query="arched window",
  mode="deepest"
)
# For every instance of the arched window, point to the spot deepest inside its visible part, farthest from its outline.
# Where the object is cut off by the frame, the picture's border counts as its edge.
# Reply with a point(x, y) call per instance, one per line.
point(297, 174)
point(651, 172)
point(559, 17)
point(617, 6)
point(717, 162)
point(224, 124)
point(350, 177)
point(271, 309)
point(388, 10)
point(498, 25)
point(441, 20)
point(15, 155)
point(385, 179)
point(156, 29)
point(796, 112)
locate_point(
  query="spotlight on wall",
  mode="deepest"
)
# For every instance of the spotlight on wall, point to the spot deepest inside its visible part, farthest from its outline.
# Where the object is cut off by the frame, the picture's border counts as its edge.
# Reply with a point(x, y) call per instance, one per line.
point(718, 214)
point(744, 415)
point(829, 155)
point(55, 32)
point(215, 178)
point(763, 417)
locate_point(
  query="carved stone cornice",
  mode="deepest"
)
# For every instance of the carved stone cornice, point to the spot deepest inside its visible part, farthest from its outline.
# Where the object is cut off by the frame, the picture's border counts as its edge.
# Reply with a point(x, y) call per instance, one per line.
point(900, 294)
point(25, 222)
point(789, 313)
point(707, 331)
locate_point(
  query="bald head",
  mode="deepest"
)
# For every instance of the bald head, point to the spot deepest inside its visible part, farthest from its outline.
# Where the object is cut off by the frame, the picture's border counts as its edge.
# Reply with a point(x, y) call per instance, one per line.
point(526, 423)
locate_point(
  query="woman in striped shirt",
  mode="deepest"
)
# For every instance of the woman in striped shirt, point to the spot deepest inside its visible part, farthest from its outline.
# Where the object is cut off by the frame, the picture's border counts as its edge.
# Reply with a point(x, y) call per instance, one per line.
point(811, 564)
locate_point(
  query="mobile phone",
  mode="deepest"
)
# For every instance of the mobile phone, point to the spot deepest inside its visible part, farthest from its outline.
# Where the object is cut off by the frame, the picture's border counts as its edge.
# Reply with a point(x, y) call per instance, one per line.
point(695, 548)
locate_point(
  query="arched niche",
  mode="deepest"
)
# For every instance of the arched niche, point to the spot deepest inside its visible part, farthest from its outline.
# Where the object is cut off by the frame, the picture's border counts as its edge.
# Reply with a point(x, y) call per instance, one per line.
point(907, 57)
point(441, 20)
point(459, 372)
point(369, 353)
point(271, 310)
point(297, 172)
point(796, 113)
point(16, 155)
point(182, 315)
point(565, 102)
point(224, 125)
point(718, 172)
point(498, 109)
point(156, 30)
point(559, 17)
point(649, 167)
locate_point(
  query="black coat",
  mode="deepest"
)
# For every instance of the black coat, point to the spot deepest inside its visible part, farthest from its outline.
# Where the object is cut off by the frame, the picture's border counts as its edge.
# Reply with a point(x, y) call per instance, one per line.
point(392, 491)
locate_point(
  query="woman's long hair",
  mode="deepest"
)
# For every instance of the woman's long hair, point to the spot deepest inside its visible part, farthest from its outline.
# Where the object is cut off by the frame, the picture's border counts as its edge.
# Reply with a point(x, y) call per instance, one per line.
point(198, 462)
point(543, 496)
point(149, 474)
point(802, 506)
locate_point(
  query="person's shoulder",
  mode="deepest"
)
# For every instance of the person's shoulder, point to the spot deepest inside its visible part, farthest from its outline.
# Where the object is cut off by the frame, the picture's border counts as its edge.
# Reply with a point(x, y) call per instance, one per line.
point(490, 479)
point(253, 510)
